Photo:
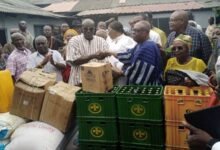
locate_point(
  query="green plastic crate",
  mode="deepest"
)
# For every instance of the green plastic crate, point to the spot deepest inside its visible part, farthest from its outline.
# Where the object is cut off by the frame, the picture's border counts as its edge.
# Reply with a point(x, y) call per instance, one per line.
point(140, 103)
point(97, 146)
point(141, 133)
point(96, 104)
point(98, 130)
point(138, 147)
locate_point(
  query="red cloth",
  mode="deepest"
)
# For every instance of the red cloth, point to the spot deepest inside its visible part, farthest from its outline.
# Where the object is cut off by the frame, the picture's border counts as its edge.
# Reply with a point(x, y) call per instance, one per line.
point(66, 73)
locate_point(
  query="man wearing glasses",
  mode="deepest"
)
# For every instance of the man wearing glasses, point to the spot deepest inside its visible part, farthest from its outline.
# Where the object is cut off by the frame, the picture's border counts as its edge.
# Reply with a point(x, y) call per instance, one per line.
point(142, 64)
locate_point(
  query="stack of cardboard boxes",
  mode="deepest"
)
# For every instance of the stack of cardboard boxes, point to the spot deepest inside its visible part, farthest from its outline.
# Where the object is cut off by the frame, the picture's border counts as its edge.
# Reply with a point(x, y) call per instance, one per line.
point(37, 97)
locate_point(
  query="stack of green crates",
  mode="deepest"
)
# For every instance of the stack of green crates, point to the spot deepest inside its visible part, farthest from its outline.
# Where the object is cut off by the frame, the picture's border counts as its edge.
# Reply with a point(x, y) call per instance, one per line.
point(140, 112)
point(97, 120)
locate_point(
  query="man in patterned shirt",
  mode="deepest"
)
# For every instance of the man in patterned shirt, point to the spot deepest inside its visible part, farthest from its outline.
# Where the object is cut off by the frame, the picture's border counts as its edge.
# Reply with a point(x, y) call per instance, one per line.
point(85, 48)
point(201, 47)
point(17, 60)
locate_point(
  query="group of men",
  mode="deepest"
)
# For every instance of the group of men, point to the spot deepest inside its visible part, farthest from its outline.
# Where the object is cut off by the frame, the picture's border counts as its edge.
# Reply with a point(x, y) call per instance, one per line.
point(141, 64)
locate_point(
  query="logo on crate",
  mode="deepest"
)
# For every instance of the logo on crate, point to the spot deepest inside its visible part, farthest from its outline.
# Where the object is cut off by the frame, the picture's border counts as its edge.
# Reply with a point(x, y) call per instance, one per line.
point(138, 110)
point(140, 134)
point(95, 108)
point(198, 102)
point(90, 76)
point(97, 132)
point(189, 111)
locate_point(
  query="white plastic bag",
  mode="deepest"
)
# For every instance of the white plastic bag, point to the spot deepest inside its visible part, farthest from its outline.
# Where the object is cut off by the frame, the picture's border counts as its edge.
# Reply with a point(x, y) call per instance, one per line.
point(8, 123)
point(35, 136)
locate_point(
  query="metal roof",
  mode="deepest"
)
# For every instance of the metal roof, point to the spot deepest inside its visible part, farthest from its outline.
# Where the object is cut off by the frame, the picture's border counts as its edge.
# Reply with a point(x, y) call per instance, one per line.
point(65, 6)
point(144, 8)
point(42, 2)
point(21, 7)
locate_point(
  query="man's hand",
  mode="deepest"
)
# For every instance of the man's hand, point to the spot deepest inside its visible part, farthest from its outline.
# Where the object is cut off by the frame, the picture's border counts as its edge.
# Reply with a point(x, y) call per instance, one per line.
point(102, 55)
point(198, 139)
point(47, 58)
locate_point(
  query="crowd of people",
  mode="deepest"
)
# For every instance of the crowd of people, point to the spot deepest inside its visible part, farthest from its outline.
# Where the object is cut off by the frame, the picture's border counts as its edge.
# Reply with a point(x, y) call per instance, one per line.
point(142, 55)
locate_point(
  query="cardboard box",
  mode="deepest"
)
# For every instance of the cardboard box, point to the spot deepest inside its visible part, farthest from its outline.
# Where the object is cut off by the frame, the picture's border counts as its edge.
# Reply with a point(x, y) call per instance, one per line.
point(57, 106)
point(96, 77)
point(37, 78)
point(29, 94)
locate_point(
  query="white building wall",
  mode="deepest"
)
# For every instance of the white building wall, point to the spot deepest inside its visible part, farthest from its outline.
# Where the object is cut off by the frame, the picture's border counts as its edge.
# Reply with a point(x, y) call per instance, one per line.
point(11, 21)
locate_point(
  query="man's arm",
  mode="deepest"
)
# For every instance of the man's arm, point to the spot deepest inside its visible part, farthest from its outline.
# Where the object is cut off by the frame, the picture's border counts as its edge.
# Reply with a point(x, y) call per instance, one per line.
point(199, 138)
point(206, 48)
point(11, 66)
point(85, 59)
point(57, 60)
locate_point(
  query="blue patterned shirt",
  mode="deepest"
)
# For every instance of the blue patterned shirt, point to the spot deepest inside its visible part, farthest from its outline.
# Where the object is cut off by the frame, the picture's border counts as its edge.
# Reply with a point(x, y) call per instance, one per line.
point(142, 64)
point(201, 46)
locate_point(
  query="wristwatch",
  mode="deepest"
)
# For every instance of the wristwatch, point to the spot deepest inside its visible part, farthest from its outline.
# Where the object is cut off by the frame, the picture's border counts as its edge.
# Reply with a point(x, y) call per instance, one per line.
point(211, 143)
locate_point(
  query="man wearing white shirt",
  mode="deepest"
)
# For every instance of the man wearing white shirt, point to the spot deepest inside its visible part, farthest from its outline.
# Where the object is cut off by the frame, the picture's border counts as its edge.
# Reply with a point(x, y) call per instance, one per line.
point(49, 60)
point(118, 42)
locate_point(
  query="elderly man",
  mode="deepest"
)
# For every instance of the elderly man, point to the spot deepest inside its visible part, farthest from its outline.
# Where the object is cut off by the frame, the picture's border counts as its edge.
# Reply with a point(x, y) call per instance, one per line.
point(27, 35)
point(53, 43)
point(17, 60)
point(64, 28)
point(84, 48)
point(142, 64)
point(201, 47)
point(49, 60)
point(154, 36)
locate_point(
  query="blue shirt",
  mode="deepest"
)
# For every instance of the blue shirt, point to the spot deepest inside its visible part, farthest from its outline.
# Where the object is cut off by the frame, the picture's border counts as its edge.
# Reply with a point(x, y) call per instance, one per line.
point(201, 46)
point(142, 64)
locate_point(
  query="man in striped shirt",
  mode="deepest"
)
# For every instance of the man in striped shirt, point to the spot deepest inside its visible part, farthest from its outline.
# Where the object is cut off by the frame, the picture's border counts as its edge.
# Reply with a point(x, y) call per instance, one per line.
point(142, 64)
point(85, 48)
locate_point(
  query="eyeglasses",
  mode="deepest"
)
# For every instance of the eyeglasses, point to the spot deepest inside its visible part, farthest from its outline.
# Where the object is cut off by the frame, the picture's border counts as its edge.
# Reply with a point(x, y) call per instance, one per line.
point(177, 48)
point(138, 30)
point(88, 29)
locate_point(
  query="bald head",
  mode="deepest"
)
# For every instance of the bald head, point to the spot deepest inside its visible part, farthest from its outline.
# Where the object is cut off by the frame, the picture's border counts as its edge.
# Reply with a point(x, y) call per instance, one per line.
point(22, 25)
point(143, 25)
point(181, 14)
point(178, 21)
point(47, 30)
point(141, 31)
